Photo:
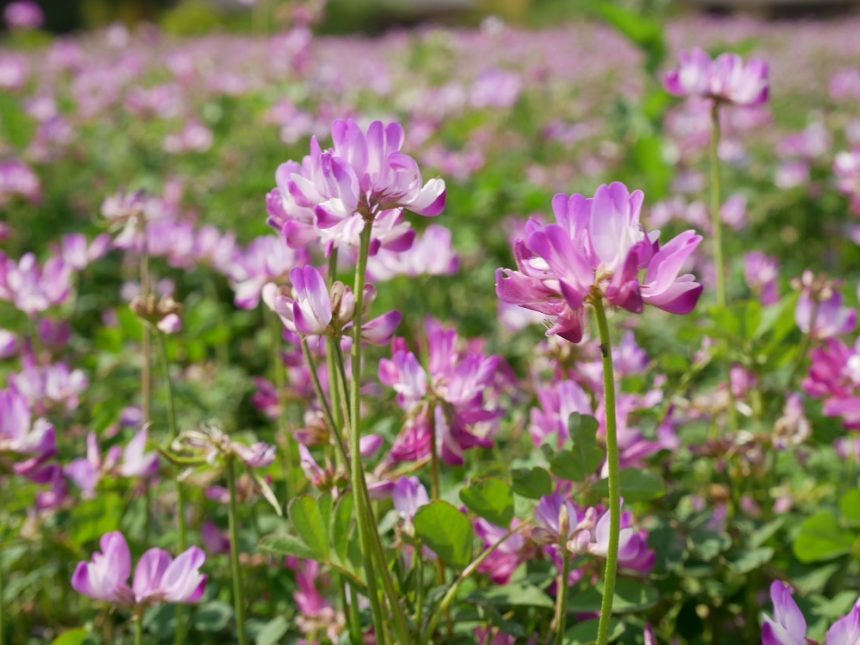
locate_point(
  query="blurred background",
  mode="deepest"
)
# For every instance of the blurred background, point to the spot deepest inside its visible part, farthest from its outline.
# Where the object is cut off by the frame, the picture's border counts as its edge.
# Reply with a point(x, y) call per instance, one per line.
point(192, 17)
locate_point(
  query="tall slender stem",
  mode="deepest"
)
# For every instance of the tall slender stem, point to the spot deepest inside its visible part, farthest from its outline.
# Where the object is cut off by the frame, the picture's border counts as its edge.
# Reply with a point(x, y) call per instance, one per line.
point(717, 224)
point(2, 603)
point(561, 601)
point(614, 474)
point(716, 215)
point(435, 493)
point(235, 567)
point(288, 456)
point(327, 410)
point(146, 345)
point(138, 628)
point(371, 544)
point(180, 492)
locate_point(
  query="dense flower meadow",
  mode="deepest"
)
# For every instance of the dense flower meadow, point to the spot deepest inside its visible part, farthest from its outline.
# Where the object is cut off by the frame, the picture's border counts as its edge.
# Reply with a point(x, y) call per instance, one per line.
point(444, 336)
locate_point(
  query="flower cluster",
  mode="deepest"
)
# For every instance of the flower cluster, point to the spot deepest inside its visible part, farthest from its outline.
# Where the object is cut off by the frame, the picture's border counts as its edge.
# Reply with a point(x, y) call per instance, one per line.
point(158, 577)
point(597, 249)
point(364, 179)
point(454, 400)
point(311, 308)
point(725, 79)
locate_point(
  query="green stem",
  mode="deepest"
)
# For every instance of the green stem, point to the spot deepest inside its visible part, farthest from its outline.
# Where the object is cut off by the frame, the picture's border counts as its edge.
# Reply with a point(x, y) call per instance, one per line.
point(288, 455)
point(181, 627)
point(138, 628)
point(146, 348)
point(716, 215)
point(435, 493)
point(371, 544)
point(561, 603)
point(419, 584)
point(451, 594)
point(614, 474)
point(2, 603)
point(327, 411)
point(340, 365)
point(235, 567)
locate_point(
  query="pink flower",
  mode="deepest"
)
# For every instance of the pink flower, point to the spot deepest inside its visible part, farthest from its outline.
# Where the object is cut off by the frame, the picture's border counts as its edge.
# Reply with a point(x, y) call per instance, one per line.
point(458, 388)
point(265, 260)
point(14, 73)
point(136, 462)
point(633, 551)
point(597, 248)
point(762, 275)
point(87, 472)
point(31, 443)
point(311, 308)
point(826, 318)
point(157, 578)
point(16, 177)
point(846, 167)
point(558, 401)
point(725, 79)
point(788, 627)
point(846, 630)
point(105, 577)
point(34, 288)
point(23, 14)
point(835, 376)
point(363, 180)
point(431, 254)
point(506, 559)
point(409, 495)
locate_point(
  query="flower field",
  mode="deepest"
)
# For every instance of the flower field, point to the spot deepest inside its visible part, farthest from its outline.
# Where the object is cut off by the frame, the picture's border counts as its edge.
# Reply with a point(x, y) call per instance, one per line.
point(444, 335)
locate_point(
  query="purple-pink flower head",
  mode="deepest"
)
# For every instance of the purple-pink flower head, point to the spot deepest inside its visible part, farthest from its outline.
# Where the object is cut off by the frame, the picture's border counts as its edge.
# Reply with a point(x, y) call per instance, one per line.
point(727, 78)
point(158, 577)
point(822, 315)
point(364, 179)
point(788, 626)
point(31, 443)
point(409, 495)
point(23, 14)
point(312, 308)
point(597, 249)
point(762, 275)
point(457, 392)
point(34, 288)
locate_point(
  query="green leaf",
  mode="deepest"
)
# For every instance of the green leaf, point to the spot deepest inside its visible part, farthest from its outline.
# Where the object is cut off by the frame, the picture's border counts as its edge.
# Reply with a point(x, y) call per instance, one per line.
point(586, 456)
point(512, 595)
point(821, 538)
point(583, 428)
point(707, 544)
point(213, 616)
point(630, 596)
point(273, 631)
point(286, 545)
point(341, 526)
point(533, 483)
point(311, 519)
point(636, 486)
point(750, 560)
point(849, 506)
point(491, 499)
point(447, 531)
point(78, 636)
point(585, 633)
point(93, 518)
